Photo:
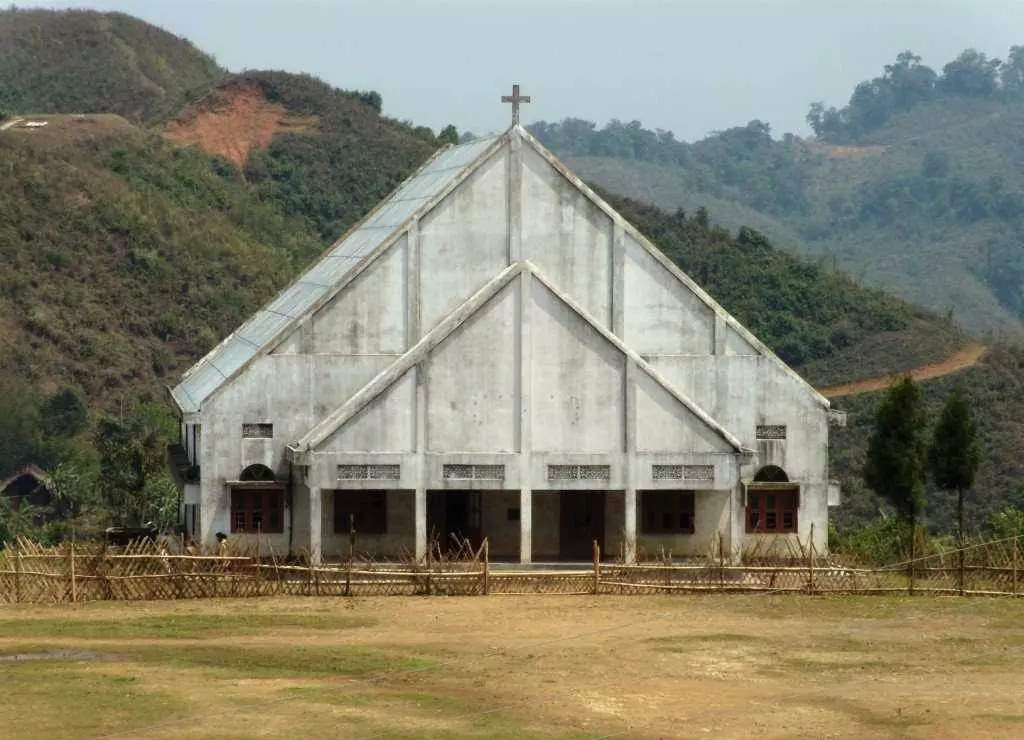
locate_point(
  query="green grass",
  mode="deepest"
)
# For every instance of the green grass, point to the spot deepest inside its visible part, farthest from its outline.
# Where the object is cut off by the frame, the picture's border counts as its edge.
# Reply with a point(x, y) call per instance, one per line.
point(178, 626)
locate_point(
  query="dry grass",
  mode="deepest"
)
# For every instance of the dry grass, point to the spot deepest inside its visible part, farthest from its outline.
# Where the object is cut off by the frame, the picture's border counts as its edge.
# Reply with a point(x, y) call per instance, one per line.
point(658, 666)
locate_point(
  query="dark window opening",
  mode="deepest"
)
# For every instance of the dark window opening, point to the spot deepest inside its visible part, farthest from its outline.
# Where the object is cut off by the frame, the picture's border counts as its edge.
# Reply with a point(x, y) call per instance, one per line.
point(772, 512)
point(257, 473)
point(666, 512)
point(253, 512)
point(771, 474)
point(370, 509)
point(513, 514)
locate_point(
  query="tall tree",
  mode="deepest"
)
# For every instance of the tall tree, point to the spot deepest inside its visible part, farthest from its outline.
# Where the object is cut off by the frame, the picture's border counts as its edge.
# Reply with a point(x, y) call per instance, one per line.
point(954, 453)
point(895, 465)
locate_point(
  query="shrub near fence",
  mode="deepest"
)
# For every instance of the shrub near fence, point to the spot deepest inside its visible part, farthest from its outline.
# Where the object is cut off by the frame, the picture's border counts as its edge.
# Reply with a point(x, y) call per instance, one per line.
point(147, 570)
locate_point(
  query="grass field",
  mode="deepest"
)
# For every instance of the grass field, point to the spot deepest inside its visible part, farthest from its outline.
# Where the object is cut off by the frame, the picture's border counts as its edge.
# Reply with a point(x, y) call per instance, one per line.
point(578, 667)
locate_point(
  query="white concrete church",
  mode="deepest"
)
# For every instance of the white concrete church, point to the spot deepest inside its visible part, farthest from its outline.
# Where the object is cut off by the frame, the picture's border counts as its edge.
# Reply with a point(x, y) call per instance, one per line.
point(494, 352)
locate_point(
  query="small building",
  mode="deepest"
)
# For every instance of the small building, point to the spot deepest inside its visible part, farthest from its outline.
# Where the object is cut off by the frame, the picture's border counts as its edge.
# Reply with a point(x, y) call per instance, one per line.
point(27, 485)
point(494, 352)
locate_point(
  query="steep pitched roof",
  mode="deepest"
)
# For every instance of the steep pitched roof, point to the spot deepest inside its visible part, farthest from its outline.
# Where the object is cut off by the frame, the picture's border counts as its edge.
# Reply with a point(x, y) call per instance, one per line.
point(358, 245)
point(361, 244)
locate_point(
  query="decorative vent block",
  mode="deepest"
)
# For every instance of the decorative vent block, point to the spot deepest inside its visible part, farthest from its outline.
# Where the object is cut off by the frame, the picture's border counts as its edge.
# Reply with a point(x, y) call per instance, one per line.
point(771, 431)
point(683, 472)
point(579, 472)
point(667, 472)
point(699, 472)
point(257, 431)
point(473, 472)
point(369, 472)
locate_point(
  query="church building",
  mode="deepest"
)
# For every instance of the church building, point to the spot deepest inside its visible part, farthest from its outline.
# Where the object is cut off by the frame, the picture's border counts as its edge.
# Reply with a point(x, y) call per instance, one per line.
point(494, 352)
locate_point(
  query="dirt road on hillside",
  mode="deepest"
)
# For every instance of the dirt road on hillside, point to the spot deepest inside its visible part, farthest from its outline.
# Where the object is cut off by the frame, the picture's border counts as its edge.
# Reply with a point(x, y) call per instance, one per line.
point(962, 359)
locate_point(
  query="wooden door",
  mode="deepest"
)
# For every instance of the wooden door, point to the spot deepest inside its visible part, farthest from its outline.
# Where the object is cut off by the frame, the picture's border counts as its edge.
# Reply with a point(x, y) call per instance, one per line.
point(581, 521)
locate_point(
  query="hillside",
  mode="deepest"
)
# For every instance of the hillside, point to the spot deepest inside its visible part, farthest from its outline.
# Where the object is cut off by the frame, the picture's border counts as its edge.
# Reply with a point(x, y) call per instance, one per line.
point(926, 201)
point(82, 61)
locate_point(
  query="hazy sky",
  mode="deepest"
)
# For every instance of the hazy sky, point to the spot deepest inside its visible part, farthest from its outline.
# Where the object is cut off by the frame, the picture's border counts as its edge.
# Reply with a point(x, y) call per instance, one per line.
point(691, 67)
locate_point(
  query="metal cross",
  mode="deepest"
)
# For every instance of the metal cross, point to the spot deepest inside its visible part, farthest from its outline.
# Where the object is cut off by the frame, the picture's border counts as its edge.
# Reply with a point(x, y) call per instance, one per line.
point(515, 98)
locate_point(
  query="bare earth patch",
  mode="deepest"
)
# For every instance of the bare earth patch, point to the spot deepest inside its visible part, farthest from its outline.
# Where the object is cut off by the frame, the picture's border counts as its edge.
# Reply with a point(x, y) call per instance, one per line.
point(535, 666)
point(233, 121)
point(962, 359)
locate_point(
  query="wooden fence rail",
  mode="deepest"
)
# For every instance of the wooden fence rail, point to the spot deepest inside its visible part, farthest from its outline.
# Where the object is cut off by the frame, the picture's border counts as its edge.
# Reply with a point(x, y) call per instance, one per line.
point(30, 573)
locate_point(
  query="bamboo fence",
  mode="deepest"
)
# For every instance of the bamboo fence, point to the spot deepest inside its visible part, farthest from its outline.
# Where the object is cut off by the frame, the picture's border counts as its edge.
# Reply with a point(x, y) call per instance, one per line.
point(148, 570)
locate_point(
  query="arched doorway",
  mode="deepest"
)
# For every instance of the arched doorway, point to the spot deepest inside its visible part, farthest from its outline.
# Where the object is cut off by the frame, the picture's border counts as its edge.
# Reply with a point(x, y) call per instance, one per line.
point(771, 474)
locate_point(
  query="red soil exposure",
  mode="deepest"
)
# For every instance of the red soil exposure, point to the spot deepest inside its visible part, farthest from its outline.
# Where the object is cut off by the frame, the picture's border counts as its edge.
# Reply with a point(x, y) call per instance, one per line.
point(962, 359)
point(233, 121)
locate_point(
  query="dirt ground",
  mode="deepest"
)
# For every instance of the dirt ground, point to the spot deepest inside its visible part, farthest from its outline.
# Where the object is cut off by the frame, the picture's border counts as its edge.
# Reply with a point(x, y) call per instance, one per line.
point(234, 121)
point(962, 359)
point(499, 666)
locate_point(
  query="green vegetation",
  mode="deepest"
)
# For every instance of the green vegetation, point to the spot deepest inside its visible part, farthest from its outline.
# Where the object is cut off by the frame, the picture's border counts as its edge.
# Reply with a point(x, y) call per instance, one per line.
point(81, 61)
point(895, 466)
point(806, 313)
point(954, 454)
point(993, 390)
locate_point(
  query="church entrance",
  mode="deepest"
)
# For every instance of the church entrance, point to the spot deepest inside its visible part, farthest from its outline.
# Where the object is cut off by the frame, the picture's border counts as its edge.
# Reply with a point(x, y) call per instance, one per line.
point(454, 514)
point(581, 521)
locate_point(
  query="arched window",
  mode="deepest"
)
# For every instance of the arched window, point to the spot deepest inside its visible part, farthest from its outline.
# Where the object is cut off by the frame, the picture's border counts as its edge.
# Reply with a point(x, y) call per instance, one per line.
point(771, 474)
point(257, 473)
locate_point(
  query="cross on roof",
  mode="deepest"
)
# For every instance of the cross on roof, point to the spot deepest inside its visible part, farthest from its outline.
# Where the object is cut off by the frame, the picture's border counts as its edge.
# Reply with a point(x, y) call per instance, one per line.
point(515, 98)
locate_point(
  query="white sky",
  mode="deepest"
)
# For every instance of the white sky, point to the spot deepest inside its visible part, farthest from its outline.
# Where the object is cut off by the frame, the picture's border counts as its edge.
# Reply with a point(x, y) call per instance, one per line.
point(688, 66)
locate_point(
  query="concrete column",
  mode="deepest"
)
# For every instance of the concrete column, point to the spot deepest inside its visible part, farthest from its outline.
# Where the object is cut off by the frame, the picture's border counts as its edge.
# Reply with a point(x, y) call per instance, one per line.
point(420, 506)
point(316, 523)
point(421, 523)
point(630, 464)
point(525, 525)
point(737, 525)
point(629, 524)
point(525, 358)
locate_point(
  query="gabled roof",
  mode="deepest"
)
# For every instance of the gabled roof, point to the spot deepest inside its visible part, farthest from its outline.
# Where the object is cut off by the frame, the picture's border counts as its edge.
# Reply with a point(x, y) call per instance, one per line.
point(374, 233)
point(385, 221)
point(418, 352)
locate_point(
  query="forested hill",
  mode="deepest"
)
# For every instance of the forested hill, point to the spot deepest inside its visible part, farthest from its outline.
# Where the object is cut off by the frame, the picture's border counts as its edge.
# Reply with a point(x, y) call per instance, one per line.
point(81, 61)
point(915, 186)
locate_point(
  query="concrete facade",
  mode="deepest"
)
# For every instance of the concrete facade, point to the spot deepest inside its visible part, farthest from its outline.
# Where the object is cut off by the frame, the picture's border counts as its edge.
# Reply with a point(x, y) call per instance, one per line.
point(513, 337)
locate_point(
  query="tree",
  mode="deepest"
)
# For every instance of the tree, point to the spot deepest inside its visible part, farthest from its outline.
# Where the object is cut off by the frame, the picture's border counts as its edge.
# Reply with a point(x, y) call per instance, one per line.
point(449, 135)
point(895, 465)
point(954, 453)
point(1011, 74)
point(971, 73)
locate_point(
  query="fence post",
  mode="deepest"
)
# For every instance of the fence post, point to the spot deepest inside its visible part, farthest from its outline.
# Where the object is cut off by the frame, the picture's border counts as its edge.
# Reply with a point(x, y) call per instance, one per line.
point(597, 567)
point(721, 563)
point(74, 585)
point(810, 561)
point(1014, 583)
point(961, 553)
point(913, 557)
point(430, 550)
point(487, 559)
point(17, 575)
